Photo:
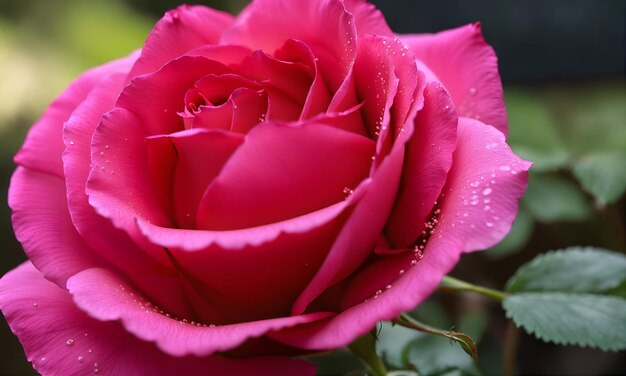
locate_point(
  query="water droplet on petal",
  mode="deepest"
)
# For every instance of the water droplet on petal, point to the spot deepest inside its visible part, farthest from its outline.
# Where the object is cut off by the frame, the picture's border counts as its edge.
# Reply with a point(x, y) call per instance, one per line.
point(504, 168)
point(487, 191)
point(489, 224)
point(81, 359)
point(69, 342)
point(472, 91)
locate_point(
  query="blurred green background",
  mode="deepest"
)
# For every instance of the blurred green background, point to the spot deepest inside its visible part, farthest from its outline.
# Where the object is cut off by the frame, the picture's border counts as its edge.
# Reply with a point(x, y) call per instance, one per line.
point(563, 67)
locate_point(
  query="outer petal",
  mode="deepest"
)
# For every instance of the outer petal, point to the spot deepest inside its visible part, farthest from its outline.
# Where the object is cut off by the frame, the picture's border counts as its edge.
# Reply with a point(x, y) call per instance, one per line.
point(106, 297)
point(60, 339)
point(427, 162)
point(110, 243)
point(329, 30)
point(369, 20)
point(467, 66)
point(180, 30)
point(43, 146)
point(119, 185)
point(481, 152)
point(43, 226)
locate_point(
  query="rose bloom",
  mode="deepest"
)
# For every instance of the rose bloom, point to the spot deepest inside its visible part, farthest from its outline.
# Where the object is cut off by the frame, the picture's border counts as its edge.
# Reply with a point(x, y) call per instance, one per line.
point(245, 190)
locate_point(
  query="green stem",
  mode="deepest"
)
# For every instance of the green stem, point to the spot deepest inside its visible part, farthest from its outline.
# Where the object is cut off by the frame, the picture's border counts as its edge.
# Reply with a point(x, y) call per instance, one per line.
point(465, 341)
point(456, 285)
point(365, 348)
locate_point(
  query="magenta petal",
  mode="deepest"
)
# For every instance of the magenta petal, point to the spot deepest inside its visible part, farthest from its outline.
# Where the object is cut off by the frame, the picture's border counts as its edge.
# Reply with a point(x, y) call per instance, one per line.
point(318, 97)
point(467, 66)
point(194, 240)
point(368, 19)
point(481, 151)
point(106, 297)
point(157, 98)
point(360, 233)
point(110, 243)
point(43, 225)
point(43, 146)
point(284, 163)
point(200, 155)
point(428, 159)
point(180, 30)
point(60, 339)
point(329, 31)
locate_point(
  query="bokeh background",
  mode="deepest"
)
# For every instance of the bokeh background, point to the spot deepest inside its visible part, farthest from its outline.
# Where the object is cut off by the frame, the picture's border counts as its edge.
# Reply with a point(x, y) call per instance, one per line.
point(563, 67)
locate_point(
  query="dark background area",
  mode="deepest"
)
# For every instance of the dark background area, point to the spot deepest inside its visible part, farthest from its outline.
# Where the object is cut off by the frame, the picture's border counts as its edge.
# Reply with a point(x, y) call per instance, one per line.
point(562, 63)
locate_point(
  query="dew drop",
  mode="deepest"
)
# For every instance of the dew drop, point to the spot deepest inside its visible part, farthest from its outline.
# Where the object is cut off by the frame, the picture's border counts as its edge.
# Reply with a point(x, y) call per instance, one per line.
point(71, 142)
point(90, 351)
point(401, 272)
point(81, 359)
point(106, 147)
point(43, 359)
point(472, 91)
point(504, 168)
point(413, 262)
point(35, 304)
point(487, 191)
point(69, 342)
point(489, 224)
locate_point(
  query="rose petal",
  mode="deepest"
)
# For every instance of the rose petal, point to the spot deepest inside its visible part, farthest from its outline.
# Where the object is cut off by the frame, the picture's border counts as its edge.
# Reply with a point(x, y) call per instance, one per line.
point(157, 98)
point(44, 227)
point(318, 97)
point(199, 155)
point(110, 243)
point(329, 31)
point(43, 146)
point(358, 237)
point(467, 66)
point(119, 186)
point(481, 151)
point(194, 240)
point(60, 339)
point(368, 19)
point(106, 297)
point(180, 30)
point(428, 160)
point(248, 284)
point(284, 163)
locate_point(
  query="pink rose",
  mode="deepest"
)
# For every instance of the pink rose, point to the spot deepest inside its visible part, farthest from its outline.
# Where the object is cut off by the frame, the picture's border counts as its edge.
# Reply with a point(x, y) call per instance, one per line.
point(256, 188)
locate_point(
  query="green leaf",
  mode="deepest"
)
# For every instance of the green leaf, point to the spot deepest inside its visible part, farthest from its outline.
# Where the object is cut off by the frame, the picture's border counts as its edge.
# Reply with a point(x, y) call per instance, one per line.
point(603, 175)
point(619, 290)
point(571, 319)
point(432, 355)
point(575, 269)
point(516, 239)
point(532, 131)
point(550, 199)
